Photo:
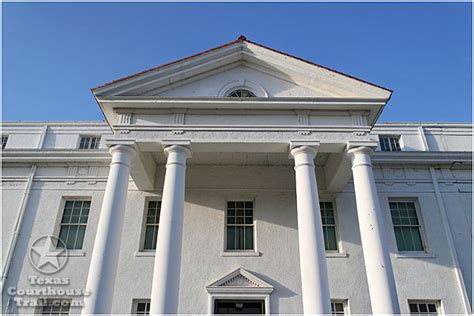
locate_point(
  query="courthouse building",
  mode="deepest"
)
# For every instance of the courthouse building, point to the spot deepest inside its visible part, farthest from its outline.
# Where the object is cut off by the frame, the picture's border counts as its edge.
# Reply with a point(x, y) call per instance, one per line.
point(238, 180)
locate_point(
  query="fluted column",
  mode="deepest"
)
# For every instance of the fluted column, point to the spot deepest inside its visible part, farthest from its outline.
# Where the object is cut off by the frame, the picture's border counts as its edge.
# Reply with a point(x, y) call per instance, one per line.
point(383, 294)
point(166, 273)
point(103, 266)
point(314, 275)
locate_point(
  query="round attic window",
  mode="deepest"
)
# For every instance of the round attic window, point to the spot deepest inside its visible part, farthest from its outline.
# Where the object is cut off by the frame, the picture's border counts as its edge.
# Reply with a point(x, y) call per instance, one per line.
point(241, 93)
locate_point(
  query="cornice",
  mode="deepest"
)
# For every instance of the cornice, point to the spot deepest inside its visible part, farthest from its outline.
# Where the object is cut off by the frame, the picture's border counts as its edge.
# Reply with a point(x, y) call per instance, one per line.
point(422, 157)
point(53, 156)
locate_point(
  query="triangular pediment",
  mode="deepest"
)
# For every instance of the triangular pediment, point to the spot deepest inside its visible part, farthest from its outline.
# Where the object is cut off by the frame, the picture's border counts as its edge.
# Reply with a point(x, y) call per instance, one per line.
point(238, 280)
point(241, 60)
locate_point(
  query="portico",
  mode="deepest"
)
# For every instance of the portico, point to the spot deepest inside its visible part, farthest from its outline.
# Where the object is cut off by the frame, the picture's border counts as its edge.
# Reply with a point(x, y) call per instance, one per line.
point(157, 125)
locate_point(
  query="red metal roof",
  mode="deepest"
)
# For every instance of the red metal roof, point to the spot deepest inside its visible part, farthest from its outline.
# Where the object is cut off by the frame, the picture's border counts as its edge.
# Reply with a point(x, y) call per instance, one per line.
point(241, 38)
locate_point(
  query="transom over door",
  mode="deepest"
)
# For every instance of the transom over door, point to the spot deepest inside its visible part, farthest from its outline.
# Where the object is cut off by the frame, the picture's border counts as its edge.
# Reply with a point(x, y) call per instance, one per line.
point(239, 307)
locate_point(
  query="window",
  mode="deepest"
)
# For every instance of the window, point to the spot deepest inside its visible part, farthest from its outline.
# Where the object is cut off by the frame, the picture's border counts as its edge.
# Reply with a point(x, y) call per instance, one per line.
point(141, 307)
point(241, 93)
point(4, 141)
point(239, 225)
point(424, 307)
point(54, 306)
point(406, 226)
point(89, 142)
point(73, 223)
point(329, 226)
point(151, 225)
point(338, 307)
point(389, 143)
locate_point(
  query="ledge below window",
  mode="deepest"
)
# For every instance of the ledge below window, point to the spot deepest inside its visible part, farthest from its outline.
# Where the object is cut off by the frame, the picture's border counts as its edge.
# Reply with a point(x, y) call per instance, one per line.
point(337, 255)
point(240, 254)
point(72, 253)
point(415, 255)
point(145, 254)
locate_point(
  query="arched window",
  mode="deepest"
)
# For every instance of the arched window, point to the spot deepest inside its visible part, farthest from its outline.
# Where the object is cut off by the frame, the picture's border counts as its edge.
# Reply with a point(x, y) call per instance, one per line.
point(241, 93)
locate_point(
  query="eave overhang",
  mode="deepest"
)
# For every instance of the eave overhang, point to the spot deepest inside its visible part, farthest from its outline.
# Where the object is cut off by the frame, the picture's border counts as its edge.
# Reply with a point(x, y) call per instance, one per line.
point(112, 106)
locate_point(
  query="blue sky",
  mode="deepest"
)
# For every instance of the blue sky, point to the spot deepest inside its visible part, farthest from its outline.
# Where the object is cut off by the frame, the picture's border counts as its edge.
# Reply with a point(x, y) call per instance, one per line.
point(53, 54)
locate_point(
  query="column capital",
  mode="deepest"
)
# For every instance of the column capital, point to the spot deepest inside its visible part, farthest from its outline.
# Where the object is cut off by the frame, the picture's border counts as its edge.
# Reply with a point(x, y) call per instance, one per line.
point(303, 150)
point(178, 149)
point(361, 149)
point(129, 149)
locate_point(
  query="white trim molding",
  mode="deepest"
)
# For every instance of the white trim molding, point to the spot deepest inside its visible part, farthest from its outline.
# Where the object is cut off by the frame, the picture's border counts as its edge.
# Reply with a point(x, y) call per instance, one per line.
point(239, 284)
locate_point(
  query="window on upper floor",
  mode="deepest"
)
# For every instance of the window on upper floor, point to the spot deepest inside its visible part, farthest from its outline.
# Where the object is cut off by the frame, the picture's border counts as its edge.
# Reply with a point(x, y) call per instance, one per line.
point(89, 142)
point(389, 143)
point(54, 306)
point(4, 141)
point(338, 307)
point(407, 227)
point(73, 224)
point(141, 306)
point(152, 222)
point(328, 219)
point(241, 93)
point(239, 226)
point(424, 307)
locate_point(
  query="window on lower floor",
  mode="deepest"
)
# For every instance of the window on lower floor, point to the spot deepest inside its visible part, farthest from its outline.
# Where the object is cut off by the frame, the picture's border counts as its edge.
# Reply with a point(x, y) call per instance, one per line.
point(89, 142)
point(52, 306)
point(141, 307)
point(406, 226)
point(329, 226)
point(389, 143)
point(239, 226)
point(338, 307)
point(424, 307)
point(4, 141)
point(73, 224)
point(152, 222)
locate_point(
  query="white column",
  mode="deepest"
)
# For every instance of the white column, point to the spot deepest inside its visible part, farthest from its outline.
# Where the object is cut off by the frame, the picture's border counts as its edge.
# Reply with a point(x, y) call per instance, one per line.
point(166, 273)
point(314, 275)
point(383, 294)
point(103, 266)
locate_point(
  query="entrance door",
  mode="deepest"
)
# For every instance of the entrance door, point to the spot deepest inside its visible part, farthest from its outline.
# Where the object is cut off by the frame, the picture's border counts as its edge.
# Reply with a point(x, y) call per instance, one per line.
point(239, 307)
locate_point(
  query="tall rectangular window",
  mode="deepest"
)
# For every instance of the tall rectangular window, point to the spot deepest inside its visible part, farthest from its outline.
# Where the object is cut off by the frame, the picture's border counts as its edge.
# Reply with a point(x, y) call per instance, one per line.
point(4, 141)
point(338, 307)
point(389, 143)
point(240, 225)
point(52, 306)
point(424, 307)
point(406, 226)
point(151, 225)
point(73, 223)
point(89, 142)
point(329, 226)
point(141, 307)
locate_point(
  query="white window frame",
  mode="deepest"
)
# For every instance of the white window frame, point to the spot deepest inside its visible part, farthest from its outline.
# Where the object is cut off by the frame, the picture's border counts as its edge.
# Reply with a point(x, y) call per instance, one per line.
point(39, 308)
point(135, 302)
point(437, 302)
point(89, 136)
point(6, 141)
point(143, 231)
point(424, 238)
point(345, 304)
point(236, 252)
point(59, 216)
point(400, 143)
point(339, 249)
